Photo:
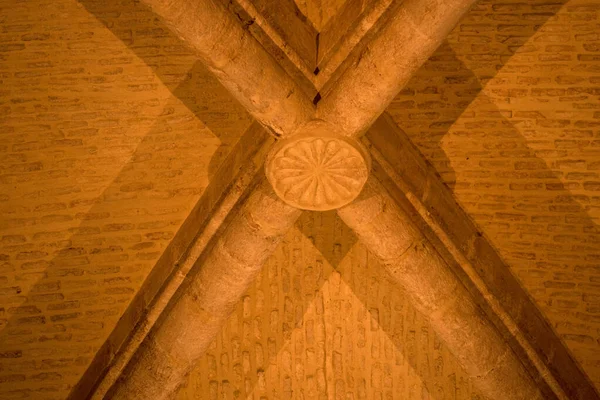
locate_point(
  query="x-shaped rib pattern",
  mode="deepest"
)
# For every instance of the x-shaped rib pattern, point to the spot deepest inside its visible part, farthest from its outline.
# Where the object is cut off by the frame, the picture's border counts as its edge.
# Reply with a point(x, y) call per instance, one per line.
point(353, 104)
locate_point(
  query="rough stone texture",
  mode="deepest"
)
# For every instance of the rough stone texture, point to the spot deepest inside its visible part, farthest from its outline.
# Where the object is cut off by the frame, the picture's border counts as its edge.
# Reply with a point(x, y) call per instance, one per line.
point(324, 321)
point(542, 219)
point(240, 63)
point(343, 22)
point(184, 334)
point(382, 69)
point(234, 178)
point(430, 204)
point(412, 261)
point(100, 164)
point(348, 33)
point(294, 30)
point(285, 33)
point(197, 314)
point(507, 111)
point(318, 168)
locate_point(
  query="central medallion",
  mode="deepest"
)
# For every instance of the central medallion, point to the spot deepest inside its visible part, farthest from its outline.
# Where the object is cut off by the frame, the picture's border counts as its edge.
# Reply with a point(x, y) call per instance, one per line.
point(317, 168)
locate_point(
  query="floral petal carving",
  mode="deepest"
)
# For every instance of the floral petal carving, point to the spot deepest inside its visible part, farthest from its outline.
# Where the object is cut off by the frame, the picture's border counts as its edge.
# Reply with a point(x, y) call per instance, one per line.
point(317, 173)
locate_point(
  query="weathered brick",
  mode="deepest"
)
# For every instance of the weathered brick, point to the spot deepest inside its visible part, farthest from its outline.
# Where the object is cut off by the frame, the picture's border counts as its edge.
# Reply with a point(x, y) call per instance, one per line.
point(64, 317)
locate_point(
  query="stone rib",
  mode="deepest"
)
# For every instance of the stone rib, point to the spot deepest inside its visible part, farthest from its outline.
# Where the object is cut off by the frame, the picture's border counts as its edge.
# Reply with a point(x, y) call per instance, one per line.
point(227, 189)
point(410, 37)
point(436, 291)
point(195, 318)
point(240, 63)
point(413, 183)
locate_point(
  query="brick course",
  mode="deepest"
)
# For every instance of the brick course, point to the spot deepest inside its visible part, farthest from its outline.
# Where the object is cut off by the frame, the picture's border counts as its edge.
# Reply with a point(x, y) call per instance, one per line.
point(323, 321)
point(110, 132)
point(103, 113)
point(506, 111)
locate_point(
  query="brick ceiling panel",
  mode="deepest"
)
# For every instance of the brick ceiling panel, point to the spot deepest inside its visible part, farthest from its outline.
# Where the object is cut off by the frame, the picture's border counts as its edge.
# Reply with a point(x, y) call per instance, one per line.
point(111, 130)
point(507, 112)
point(323, 320)
point(109, 137)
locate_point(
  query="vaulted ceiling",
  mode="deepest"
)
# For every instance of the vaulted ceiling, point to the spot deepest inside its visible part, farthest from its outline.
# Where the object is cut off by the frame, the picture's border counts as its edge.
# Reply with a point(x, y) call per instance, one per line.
point(123, 160)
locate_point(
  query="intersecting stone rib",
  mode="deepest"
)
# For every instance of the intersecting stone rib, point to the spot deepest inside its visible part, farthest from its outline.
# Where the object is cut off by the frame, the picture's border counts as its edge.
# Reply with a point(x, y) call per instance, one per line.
point(410, 37)
point(285, 25)
point(414, 184)
point(343, 35)
point(197, 315)
point(435, 291)
point(221, 197)
point(240, 63)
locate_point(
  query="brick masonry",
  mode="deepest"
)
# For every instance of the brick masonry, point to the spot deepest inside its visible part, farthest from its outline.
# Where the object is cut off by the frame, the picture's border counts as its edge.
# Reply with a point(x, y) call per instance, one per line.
point(507, 110)
point(110, 130)
point(323, 321)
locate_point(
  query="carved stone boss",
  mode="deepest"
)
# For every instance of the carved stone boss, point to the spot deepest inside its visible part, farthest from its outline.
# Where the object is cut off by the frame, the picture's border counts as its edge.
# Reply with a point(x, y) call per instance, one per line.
point(318, 168)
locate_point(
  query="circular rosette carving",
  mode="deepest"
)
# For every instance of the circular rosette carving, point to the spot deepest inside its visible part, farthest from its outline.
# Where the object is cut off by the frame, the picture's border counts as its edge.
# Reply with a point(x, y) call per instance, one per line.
point(317, 173)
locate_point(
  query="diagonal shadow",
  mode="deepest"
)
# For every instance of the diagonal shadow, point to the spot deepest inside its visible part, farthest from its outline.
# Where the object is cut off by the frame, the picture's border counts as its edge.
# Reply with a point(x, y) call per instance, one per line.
point(405, 327)
point(412, 336)
point(445, 107)
point(62, 301)
point(160, 65)
point(328, 234)
point(303, 284)
point(299, 286)
point(445, 61)
point(448, 87)
point(536, 209)
point(199, 91)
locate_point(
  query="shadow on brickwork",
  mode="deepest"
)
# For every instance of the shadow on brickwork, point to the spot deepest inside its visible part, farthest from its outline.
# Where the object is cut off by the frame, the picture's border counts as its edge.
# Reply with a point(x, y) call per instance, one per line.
point(451, 88)
point(443, 91)
point(89, 278)
point(385, 307)
point(562, 215)
point(389, 309)
point(507, 156)
point(299, 281)
point(415, 342)
point(533, 193)
point(333, 240)
point(444, 87)
point(156, 45)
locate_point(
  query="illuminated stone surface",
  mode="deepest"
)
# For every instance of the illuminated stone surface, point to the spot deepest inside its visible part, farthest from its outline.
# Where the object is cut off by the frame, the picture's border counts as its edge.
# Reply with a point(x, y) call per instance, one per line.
point(317, 169)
